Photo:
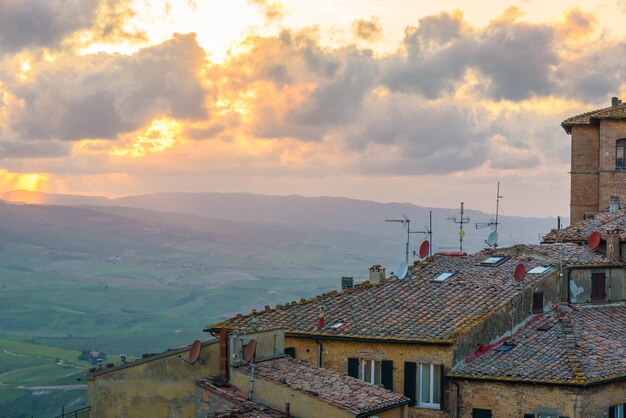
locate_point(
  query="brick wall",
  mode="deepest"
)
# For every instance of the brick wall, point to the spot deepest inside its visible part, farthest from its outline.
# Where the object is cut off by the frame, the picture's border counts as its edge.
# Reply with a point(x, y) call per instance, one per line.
point(584, 171)
point(514, 399)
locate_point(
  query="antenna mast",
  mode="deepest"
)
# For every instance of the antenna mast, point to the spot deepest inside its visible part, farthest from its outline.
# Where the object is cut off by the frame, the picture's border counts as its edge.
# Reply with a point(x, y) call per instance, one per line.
point(429, 232)
point(460, 221)
point(406, 221)
point(493, 223)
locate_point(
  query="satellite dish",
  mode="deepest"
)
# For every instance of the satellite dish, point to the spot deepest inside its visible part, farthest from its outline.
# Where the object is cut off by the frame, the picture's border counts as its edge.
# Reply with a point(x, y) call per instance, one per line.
point(424, 248)
point(249, 351)
point(492, 239)
point(594, 240)
point(194, 352)
point(403, 269)
point(520, 272)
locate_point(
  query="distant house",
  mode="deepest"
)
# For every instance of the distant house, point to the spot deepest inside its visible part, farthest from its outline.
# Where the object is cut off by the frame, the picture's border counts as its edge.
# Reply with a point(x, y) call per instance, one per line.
point(598, 167)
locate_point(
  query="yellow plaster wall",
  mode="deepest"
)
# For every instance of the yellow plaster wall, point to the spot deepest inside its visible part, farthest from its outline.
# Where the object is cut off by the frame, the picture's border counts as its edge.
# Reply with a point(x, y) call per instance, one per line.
point(275, 395)
point(163, 387)
point(336, 354)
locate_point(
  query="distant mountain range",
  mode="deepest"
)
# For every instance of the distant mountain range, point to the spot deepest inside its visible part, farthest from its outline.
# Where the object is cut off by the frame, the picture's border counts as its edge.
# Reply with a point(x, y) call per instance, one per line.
point(303, 214)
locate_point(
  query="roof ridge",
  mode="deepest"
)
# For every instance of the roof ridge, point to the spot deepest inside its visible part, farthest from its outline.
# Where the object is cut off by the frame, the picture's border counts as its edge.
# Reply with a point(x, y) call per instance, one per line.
point(571, 352)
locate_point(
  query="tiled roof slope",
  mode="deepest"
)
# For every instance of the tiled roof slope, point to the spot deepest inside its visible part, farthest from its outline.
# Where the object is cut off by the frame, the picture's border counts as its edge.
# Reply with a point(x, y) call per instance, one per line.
point(329, 386)
point(573, 255)
point(418, 310)
point(242, 407)
point(601, 222)
point(581, 345)
point(614, 112)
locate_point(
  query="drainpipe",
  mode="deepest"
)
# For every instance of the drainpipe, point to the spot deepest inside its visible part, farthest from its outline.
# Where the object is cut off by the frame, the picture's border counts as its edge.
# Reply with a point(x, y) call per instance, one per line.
point(458, 398)
point(320, 353)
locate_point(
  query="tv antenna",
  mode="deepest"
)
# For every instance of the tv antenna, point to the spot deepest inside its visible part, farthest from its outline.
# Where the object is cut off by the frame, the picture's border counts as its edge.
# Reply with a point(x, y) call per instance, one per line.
point(407, 222)
point(461, 222)
point(429, 232)
point(492, 239)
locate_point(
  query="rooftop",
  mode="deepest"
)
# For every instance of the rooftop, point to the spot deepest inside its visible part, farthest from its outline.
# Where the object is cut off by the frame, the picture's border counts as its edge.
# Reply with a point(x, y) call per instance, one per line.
point(329, 386)
point(242, 407)
point(601, 222)
point(613, 112)
point(573, 255)
point(424, 308)
point(569, 345)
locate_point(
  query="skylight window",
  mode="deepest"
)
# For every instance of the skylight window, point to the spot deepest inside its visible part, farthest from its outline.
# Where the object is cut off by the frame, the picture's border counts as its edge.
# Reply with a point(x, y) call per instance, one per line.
point(493, 260)
point(538, 270)
point(506, 347)
point(444, 276)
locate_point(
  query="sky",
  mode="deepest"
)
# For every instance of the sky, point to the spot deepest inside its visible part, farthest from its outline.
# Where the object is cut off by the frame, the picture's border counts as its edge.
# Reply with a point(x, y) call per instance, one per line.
point(428, 102)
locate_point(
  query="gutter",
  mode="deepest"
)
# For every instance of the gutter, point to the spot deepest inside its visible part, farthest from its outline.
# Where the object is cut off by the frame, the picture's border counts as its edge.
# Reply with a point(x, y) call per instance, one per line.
point(371, 340)
point(383, 409)
point(538, 383)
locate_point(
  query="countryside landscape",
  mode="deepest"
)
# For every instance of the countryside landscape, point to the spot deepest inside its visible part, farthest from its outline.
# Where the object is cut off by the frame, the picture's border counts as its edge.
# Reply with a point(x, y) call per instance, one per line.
point(115, 277)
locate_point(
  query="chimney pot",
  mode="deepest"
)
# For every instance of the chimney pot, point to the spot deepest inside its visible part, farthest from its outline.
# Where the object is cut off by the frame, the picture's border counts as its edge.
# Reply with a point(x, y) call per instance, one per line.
point(615, 101)
point(377, 274)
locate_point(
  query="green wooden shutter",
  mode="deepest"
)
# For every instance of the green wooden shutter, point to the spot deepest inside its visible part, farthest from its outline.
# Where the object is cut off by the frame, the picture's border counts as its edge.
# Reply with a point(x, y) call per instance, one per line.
point(353, 367)
point(410, 380)
point(442, 387)
point(386, 377)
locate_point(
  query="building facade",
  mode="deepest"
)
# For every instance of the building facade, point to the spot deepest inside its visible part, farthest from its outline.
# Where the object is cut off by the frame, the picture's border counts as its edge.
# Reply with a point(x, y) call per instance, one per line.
point(598, 165)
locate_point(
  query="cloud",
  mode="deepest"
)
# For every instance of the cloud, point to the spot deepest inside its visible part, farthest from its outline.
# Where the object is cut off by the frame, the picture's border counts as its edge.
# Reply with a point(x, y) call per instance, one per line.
point(100, 95)
point(273, 11)
point(38, 149)
point(367, 30)
point(516, 58)
point(41, 23)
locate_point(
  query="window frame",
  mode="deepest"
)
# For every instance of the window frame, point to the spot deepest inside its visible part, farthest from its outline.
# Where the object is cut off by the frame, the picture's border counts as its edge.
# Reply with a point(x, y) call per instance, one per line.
point(598, 277)
point(620, 147)
point(375, 364)
point(434, 389)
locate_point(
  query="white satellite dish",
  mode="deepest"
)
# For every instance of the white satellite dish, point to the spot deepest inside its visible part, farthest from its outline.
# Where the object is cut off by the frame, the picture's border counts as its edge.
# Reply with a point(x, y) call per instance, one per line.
point(492, 239)
point(403, 269)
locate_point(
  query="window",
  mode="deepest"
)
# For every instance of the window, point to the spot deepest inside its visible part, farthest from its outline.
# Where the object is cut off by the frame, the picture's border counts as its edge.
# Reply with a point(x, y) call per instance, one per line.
point(620, 154)
point(377, 372)
point(369, 371)
point(538, 270)
point(481, 413)
point(429, 385)
point(290, 351)
point(538, 302)
point(598, 287)
point(443, 276)
point(493, 261)
point(616, 411)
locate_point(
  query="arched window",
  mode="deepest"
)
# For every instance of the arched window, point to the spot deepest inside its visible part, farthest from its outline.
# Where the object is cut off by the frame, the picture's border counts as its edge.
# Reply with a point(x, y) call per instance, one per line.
point(620, 154)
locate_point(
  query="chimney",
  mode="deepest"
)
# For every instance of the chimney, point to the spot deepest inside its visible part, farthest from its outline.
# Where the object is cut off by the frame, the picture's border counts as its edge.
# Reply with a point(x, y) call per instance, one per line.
point(614, 205)
point(612, 244)
point(615, 101)
point(347, 282)
point(224, 355)
point(377, 274)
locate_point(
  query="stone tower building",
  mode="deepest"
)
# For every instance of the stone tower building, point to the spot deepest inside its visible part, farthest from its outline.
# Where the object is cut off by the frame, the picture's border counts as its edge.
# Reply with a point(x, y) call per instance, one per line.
point(598, 168)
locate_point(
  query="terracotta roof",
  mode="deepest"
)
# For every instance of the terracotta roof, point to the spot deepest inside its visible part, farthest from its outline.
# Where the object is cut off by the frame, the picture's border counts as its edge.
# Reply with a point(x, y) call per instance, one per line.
point(574, 255)
point(601, 222)
point(613, 112)
point(242, 407)
point(329, 386)
point(568, 345)
point(420, 309)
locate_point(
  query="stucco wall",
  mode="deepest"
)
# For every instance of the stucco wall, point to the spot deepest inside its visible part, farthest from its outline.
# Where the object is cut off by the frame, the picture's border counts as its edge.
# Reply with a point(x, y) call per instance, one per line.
point(159, 387)
point(580, 285)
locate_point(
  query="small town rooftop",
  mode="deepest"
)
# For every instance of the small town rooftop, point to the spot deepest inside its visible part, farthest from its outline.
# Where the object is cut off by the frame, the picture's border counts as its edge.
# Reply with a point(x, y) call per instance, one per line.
point(616, 111)
point(569, 345)
point(345, 392)
point(441, 298)
point(601, 222)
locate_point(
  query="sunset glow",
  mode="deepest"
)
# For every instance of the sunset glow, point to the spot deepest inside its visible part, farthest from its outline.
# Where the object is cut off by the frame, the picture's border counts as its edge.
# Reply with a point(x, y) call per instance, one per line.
point(452, 97)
